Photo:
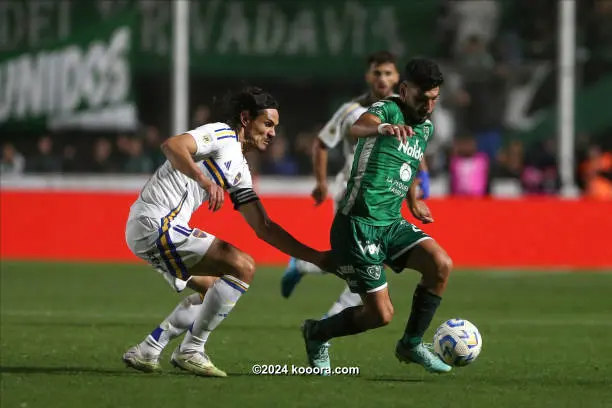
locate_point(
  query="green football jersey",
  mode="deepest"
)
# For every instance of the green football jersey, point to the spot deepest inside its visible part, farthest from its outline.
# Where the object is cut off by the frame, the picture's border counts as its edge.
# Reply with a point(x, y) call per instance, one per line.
point(383, 169)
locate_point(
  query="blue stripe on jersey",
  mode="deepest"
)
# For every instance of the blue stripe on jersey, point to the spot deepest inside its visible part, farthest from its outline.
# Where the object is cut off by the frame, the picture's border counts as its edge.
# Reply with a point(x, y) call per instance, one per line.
point(222, 129)
point(227, 137)
point(220, 171)
point(212, 174)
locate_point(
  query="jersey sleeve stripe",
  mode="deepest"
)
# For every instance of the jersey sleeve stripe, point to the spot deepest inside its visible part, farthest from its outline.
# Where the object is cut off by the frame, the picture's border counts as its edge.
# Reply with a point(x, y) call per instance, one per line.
point(214, 173)
point(352, 108)
point(232, 136)
point(220, 135)
point(223, 129)
point(216, 167)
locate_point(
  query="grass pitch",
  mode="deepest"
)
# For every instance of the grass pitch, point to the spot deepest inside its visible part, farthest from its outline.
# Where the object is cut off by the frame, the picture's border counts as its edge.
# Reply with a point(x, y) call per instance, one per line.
point(64, 328)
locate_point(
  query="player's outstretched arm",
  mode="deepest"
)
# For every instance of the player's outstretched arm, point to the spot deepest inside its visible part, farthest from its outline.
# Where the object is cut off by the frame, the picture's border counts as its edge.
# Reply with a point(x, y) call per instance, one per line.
point(369, 125)
point(269, 231)
point(179, 151)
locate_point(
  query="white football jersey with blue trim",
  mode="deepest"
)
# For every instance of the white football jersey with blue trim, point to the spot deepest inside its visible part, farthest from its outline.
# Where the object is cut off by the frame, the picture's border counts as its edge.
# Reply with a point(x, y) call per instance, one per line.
point(219, 155)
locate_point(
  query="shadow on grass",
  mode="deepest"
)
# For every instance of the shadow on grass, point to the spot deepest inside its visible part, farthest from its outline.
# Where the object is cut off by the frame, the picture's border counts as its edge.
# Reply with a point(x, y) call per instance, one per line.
point(100, 371)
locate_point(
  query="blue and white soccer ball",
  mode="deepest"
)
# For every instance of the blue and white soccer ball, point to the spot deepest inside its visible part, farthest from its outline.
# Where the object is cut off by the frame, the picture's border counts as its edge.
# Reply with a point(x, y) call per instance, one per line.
point(457, 342)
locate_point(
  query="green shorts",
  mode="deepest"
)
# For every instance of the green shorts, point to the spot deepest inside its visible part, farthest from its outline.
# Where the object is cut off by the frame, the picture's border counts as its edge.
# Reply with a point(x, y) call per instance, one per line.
point(361, 250)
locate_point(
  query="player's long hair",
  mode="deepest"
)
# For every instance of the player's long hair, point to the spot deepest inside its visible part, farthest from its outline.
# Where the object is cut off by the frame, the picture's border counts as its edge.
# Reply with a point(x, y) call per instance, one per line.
point(251, 98)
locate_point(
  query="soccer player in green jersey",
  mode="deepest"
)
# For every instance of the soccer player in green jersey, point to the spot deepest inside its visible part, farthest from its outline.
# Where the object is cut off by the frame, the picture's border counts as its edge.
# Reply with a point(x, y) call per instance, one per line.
point(369, 231)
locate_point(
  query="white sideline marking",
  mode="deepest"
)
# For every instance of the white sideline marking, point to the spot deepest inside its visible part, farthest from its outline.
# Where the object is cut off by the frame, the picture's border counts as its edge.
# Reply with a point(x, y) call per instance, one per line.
point(603, 320)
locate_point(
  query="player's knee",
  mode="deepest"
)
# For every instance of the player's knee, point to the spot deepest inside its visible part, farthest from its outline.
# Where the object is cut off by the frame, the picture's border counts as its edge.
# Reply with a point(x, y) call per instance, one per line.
point(444, 266)
point(245, 267)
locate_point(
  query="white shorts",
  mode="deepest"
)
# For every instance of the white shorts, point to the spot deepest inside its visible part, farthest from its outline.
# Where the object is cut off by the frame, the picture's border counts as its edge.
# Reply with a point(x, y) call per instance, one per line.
point(172, 248)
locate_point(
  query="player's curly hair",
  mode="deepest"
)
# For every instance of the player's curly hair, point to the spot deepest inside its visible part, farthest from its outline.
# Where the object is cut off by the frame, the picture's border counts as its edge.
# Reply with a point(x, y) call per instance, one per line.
point(251, 99)
point(424, 73)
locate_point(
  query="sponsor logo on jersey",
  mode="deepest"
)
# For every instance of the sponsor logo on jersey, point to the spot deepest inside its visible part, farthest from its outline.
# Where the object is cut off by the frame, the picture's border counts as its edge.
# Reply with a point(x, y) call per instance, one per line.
point(412, 151)
point(228, 164)
point(237, 178)
point(405, 172)
point(370, 248)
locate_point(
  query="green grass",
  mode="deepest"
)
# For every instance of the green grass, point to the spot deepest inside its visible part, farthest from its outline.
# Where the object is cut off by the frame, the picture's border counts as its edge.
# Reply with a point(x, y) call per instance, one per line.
point(64, 328)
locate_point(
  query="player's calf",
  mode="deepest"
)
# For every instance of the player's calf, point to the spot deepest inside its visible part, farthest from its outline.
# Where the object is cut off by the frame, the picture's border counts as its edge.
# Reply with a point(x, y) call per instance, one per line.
point(435, 266)
point(376, 311)
point(236, 270)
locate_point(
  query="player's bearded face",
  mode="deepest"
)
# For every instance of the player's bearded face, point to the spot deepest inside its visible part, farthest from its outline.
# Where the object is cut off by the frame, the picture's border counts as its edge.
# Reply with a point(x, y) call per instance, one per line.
point(421, 103)
point(382, 79)
point(260, 131)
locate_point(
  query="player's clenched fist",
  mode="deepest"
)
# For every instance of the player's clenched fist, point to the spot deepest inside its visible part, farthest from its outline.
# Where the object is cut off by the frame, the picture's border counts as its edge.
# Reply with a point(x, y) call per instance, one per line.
point(401, 132)
point(319, 193)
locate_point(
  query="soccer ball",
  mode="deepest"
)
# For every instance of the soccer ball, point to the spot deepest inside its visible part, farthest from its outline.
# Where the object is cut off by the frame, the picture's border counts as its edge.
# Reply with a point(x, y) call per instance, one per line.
point(457, 342)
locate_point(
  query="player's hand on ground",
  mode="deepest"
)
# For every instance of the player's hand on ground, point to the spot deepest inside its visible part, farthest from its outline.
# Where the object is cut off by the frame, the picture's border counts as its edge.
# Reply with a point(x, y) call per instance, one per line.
point(319, 193)
point(401, 132)
point(216, 195)
point(421, 212)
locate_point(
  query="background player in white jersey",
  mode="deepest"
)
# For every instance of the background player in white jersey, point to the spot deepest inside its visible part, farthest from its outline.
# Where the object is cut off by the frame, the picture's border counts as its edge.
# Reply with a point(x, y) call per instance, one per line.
point(201, 164)
point(381, 76)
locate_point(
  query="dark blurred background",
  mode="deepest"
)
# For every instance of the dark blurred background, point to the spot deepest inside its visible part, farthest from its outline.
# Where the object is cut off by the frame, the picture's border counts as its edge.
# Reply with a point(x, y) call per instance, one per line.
point(86, 86)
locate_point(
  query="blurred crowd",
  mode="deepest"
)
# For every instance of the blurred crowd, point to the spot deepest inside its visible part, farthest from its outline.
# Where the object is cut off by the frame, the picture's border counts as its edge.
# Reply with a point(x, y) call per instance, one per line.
point(486, 43)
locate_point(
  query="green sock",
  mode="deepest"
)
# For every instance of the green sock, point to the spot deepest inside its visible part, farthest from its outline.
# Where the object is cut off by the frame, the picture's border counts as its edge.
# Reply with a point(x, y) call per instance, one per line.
point(424, 306)
point(338, 325)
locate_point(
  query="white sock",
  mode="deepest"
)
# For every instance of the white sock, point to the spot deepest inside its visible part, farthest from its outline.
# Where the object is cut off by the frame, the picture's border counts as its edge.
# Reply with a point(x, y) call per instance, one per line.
point(174, 325)
point(346, 299)
point(218, 303)
point(307, 267)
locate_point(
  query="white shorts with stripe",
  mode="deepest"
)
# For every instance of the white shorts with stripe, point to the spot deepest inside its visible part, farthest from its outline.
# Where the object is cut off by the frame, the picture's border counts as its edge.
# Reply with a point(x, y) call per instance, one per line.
point(168, 245)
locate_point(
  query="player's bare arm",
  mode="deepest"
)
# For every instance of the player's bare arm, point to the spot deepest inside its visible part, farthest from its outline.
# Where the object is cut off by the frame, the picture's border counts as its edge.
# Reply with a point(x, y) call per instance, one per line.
point(319, 165)
point(179, 151)
point(275, 235)
point(370, 125)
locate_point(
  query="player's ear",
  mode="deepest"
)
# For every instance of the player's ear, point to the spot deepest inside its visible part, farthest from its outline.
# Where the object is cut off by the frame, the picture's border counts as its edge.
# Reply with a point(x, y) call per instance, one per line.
point(245, 118)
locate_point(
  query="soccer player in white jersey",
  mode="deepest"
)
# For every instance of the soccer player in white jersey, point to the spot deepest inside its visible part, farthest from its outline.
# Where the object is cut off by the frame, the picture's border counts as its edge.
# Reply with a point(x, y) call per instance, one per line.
point(381, 76)
point(201, 164)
